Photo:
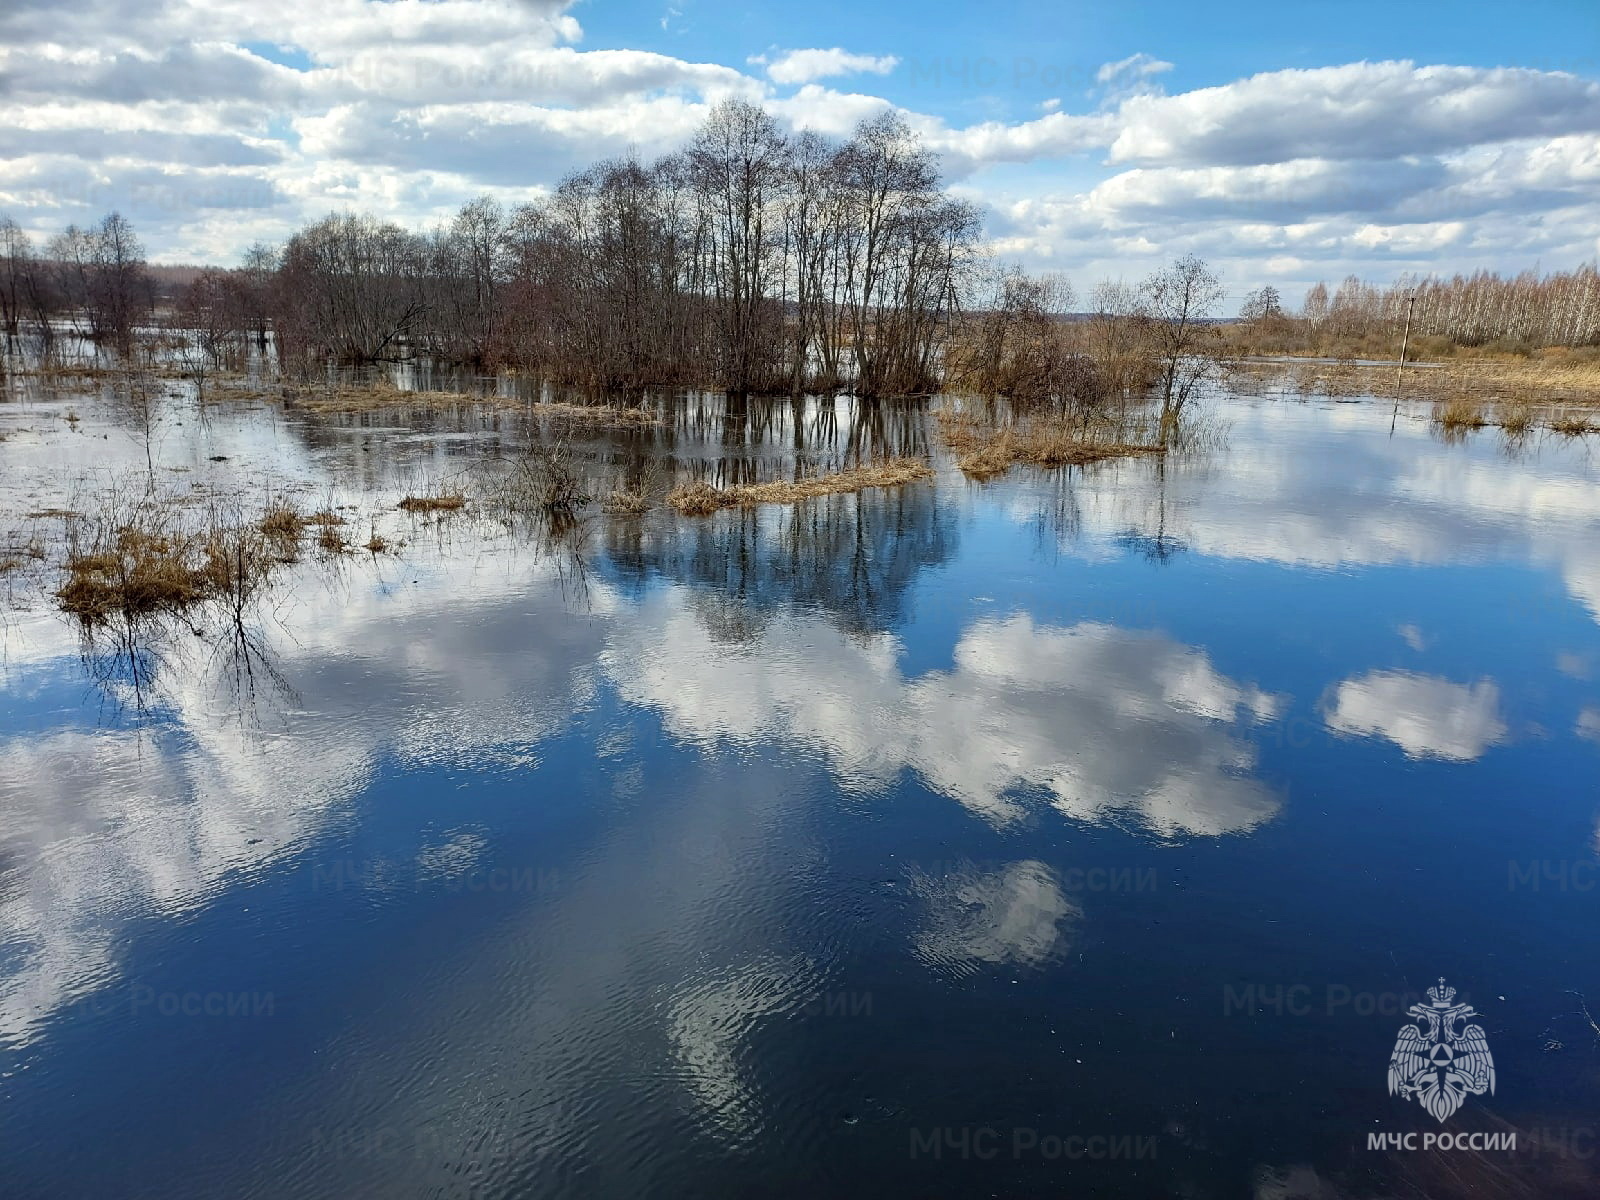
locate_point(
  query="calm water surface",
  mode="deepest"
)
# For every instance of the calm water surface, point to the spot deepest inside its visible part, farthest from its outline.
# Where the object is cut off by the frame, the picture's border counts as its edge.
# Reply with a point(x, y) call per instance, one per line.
point(1084, 833)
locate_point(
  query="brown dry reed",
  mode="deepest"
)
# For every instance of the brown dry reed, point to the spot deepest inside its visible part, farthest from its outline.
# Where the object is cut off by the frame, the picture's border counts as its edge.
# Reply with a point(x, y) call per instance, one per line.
point(985, 447)
point(701, 498)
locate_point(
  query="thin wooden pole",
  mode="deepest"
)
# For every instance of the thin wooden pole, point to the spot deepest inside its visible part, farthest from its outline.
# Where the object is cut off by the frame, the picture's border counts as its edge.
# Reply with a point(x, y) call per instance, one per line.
point(1399, 369)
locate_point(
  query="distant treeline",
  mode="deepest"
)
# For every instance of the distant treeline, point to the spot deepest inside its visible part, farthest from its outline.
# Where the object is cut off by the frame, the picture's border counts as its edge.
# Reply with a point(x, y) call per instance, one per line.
point(1513, 315)
point(751, 260)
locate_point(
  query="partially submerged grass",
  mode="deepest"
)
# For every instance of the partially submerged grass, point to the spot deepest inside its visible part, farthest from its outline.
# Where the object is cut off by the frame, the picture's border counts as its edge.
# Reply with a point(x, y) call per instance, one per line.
point(701, 498)
point(144, 560)
point(366, 397)
point(1460, 413)
point(284, 522)
point(600, 414)
point(985, 448)
point(55, 369)
point(332, 540)
point(624, 503)
point(1573, 425)
point(1547, 377)
point(1516, 417)
point(132, 552)
point(435, 502)
point(381, 393)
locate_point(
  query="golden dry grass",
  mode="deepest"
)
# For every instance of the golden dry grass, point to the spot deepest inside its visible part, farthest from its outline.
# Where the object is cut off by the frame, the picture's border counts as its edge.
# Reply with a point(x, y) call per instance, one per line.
point(1516, 417)
point(985, 449)
point(1549, 377)
point(142, 567)
point(283, 521)
point(701, 498)
point(1571, 425)
point(61, 370)
point(622, 503)
point(380, 394)
point(1460, 412)
point(439, 502)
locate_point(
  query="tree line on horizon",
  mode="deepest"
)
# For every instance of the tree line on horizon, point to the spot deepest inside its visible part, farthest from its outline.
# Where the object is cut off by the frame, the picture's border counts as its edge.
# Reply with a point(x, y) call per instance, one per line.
point(1514, 314)
point(754, 261)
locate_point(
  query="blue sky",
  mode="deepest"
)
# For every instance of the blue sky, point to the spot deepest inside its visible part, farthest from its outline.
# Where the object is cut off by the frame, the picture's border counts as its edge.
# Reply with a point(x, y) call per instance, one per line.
point(1024, 45)
point(1284, 142)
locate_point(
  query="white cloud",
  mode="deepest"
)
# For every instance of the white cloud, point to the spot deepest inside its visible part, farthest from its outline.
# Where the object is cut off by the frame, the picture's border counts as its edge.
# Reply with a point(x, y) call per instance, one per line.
point(1424, 715)
point(1140, 65)
point(1358, 111)
point(176, 113)
point(1017, 914)
point(1131, 76)
point(805, 66)
point(1025, 707)
point(1589, 723)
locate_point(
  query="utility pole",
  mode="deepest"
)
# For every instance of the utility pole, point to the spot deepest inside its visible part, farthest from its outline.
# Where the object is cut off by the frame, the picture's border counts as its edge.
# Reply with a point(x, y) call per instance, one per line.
point(1399, 370)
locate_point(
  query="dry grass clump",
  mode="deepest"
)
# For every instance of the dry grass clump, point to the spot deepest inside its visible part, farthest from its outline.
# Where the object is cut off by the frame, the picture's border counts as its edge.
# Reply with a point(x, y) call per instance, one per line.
point(324, 518)
point(1460, 412)
point(1547, 377)
point(148, 562)
point(438, 502)
point(600, 414)
point(1571, 425)
point(701, 498)
point(382, 393)
point(621, 503)
point(283, 521)
point(984, 448)
point(67, 370)
point(1516, 417)
point(365, 397)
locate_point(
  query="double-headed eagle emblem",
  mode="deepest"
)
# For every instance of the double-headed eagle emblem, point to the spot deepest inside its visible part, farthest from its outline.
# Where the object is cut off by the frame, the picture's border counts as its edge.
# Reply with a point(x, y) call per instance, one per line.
point(1437, 1063)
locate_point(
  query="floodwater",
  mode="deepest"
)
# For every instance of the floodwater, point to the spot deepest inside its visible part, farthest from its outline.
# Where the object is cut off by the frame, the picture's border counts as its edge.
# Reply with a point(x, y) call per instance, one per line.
point(1087, 833)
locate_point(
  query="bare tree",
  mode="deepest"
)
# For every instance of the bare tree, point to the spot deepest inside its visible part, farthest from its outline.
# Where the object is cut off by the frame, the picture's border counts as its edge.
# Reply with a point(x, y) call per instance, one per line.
point(119, 292)
point(1179, 300)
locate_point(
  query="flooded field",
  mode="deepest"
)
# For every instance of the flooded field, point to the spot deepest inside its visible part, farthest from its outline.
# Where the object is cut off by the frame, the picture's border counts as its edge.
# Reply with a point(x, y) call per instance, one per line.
point(1086, 831)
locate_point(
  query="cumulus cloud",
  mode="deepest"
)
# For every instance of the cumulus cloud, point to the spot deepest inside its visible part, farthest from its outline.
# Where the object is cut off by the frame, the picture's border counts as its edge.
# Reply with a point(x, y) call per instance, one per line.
point(104, 827)
point(1357, 111)
point(1424, 502)
point(806, 66)
point(1026, 707)
point(410, 108)
point(1424, 715)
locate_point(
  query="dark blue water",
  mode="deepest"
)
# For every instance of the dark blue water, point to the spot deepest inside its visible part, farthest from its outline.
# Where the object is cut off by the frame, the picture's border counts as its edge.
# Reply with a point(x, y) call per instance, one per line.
point(1085, 833)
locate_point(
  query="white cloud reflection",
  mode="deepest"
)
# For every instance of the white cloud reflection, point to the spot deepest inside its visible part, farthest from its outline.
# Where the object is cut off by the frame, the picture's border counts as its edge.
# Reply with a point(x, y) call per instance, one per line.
point(1107, 722)
point(1017, 914)
point(1424, 715)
